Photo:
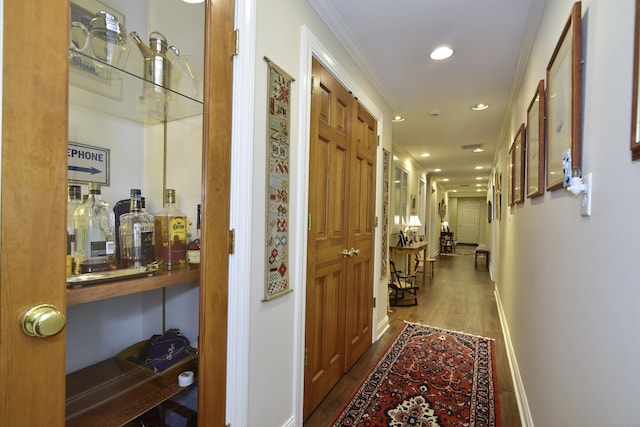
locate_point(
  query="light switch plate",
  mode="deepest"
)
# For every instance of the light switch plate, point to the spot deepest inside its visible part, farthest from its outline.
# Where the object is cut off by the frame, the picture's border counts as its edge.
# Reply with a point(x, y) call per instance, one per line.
point(585, 199)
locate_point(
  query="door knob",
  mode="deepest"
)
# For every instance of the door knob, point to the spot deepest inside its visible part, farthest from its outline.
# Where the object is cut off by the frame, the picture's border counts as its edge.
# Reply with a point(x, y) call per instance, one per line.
point(346, 253)
point(355, 252)
point(43, 320)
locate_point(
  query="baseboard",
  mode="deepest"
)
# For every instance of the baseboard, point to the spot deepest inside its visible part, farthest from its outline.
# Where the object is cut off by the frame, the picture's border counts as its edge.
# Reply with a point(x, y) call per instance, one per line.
point(521, 397)
point(382, 327)
point(290, 423)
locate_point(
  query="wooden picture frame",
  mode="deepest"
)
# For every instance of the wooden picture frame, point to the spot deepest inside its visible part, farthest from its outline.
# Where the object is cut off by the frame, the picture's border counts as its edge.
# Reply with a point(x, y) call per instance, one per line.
point(510, 164)
point(635, 107)
point(535, 143)
point(517, 166)
point(564, 100)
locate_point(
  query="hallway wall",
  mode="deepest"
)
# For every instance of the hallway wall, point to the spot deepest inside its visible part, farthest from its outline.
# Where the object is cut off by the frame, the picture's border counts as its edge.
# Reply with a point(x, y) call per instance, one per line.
point(274, 352)
point(569, 285)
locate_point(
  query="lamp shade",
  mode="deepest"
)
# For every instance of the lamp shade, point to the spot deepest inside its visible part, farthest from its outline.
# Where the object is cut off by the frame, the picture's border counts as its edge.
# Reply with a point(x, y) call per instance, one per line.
point(414, 221)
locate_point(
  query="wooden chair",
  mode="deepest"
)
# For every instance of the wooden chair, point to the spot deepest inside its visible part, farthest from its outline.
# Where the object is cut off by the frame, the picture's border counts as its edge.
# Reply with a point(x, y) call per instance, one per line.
point(402, 288)
point(428, 263)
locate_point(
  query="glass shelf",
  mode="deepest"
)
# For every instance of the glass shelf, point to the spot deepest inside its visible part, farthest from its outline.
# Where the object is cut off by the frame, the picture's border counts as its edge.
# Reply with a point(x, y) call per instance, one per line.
point(99, 86)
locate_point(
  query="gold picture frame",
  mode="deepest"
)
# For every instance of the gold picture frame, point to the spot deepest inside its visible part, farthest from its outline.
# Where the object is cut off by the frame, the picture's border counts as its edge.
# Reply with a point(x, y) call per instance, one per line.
point(535, 143)
point(564, 100)
point(635, 107)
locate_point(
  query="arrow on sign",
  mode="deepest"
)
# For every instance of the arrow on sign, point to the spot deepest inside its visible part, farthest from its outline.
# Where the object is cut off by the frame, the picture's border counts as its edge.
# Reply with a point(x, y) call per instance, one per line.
point(90, 170)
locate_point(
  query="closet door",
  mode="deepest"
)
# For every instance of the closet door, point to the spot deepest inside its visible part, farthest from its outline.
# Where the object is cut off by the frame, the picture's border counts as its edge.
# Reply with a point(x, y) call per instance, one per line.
point(327, 278)
point(359, 311)
point(339, 252)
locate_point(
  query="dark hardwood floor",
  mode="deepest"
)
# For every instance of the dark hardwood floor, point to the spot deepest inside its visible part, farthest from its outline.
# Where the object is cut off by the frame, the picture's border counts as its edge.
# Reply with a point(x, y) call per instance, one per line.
point(459, 297)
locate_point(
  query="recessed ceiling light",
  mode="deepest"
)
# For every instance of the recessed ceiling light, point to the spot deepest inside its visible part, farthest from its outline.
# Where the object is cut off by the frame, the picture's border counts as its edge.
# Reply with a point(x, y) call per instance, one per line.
point(479, 191)
point(425, 155)
point(397, 119)
point(478, 185)
point(478, 178)
point(479, 167)
point(446, 179)
point(443, 52)
point(480, 107)
point(478, 150)
point(437, 170)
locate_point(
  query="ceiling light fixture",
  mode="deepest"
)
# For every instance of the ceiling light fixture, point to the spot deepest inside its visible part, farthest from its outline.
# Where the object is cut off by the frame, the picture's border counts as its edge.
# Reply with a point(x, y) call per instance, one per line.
point(480, 107)
point(425, 155)
point(443, 52)
point(437, 170)
point(478, 150)
point(446, 180)
point(479, 167)
point(397, 119)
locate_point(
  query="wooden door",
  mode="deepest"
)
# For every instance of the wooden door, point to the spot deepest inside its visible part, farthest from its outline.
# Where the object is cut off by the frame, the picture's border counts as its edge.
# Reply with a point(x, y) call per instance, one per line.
point(33, 210)
point(359, 309)
point(339, 283)
point(329, 167)
point(34, 140)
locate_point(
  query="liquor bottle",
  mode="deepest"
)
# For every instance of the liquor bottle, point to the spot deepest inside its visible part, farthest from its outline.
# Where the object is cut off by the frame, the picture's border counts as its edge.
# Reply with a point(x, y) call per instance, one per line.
point(137, 241)
point(95, 237)
point(193, 249)
point(74, 199)
point(171, 234)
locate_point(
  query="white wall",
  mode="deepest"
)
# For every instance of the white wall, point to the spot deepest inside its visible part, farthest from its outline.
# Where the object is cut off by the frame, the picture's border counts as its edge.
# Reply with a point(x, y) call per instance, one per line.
point(274, 351)
point(569, 285)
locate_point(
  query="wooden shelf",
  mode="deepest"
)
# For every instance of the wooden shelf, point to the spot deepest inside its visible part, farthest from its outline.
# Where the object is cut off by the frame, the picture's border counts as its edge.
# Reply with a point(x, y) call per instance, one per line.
point(101, 291)
point(104, 395)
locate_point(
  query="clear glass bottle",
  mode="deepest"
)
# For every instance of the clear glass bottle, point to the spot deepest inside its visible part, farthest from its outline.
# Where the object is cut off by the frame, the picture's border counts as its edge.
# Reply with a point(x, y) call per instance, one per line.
point(137, 240)
point(95, 237)
point(74, 199)
point(193, 249)
point(171, 234)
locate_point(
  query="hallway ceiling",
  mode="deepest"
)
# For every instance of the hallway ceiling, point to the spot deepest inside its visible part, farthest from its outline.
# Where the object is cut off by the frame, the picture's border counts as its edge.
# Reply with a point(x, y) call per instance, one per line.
point(392, 40)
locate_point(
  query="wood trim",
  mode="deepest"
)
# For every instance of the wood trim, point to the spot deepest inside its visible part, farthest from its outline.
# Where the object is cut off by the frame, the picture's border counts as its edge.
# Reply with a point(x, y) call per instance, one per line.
point(33, 221)
point(218, 85)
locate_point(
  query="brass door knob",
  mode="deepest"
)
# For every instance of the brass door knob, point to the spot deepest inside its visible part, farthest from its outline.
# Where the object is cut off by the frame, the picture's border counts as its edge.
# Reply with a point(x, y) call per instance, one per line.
point(43, 320)
point(346, 253)
point(355, 252)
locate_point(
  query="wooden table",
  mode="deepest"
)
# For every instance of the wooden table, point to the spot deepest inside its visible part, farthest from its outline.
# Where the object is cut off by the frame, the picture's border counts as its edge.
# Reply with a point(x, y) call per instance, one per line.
point(409, 251)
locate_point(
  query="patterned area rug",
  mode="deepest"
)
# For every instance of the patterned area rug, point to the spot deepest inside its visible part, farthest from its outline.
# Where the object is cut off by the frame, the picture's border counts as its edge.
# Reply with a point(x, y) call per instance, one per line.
point(462, 250)
point(428, 377)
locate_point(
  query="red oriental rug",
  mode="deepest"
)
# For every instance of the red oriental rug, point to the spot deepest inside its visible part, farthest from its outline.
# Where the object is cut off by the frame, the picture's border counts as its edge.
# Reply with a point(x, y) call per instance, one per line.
point(428, 377)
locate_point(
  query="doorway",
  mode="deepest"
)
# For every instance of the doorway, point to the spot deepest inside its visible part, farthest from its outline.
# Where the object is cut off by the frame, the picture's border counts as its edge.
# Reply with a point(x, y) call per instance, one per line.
point(468, 221)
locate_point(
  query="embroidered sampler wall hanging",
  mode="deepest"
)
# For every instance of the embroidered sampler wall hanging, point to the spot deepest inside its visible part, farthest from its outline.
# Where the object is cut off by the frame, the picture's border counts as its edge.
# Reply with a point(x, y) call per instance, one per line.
point(278, 151)
point(386, 156)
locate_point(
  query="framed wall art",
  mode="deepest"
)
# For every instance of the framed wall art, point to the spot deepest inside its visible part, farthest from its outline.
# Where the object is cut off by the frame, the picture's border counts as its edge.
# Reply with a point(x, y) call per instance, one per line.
point(564, 100)
point(535, 143)
point(510, 163)
point(517, 166)
point(635, 110)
